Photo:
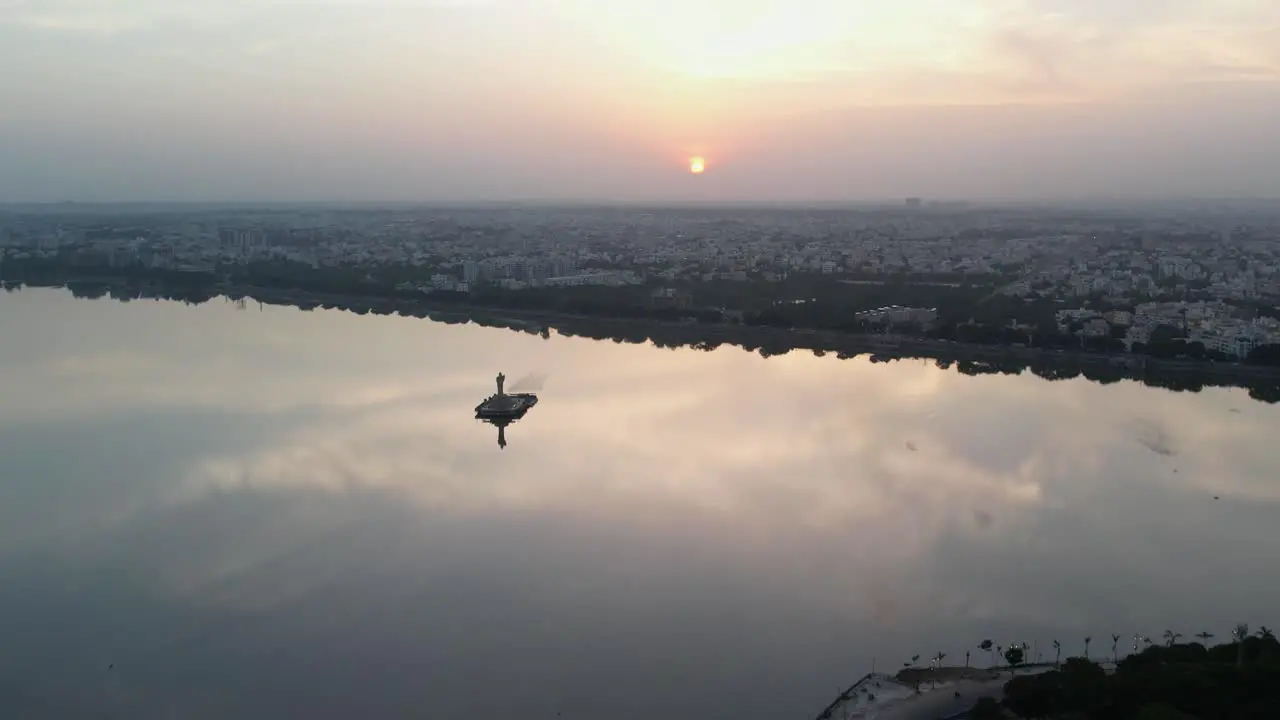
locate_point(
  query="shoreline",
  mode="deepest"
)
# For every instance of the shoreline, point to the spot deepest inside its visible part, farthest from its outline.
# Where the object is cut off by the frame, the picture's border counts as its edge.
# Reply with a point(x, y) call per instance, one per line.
point(1179, 374)
point(800, 339)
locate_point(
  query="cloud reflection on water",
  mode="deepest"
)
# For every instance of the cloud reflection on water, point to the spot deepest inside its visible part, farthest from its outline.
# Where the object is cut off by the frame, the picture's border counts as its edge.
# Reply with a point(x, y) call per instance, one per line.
point(691, 521)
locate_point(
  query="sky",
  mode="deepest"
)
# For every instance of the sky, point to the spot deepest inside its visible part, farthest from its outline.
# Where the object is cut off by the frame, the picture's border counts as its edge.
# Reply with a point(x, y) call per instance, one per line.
point(787, 100)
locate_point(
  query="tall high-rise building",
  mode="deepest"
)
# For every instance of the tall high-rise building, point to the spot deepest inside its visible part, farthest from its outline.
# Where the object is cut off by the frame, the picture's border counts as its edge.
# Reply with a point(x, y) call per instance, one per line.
point(470, 271)
point(914, 202)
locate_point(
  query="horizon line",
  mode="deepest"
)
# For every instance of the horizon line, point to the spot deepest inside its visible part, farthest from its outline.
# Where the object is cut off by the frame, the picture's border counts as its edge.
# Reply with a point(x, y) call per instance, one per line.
point(899, 201)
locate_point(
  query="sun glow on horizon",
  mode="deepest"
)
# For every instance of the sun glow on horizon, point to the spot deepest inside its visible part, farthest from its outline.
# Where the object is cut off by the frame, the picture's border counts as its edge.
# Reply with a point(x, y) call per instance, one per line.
point(697, 165)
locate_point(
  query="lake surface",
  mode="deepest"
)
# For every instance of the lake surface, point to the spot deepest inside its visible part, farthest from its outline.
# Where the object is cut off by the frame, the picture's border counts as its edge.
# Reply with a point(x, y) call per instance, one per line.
point(264, 513)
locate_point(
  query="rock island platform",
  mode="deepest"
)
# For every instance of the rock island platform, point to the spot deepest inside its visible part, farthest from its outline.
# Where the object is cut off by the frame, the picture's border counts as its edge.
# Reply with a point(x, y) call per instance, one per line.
point(504, 406)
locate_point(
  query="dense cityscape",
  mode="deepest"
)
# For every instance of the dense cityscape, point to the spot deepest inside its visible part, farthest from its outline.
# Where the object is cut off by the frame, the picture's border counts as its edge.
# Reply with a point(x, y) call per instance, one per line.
point(1206, 279)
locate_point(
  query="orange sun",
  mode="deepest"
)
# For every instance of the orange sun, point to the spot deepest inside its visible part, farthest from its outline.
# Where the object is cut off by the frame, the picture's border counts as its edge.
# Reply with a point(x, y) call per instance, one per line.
point(697, 165)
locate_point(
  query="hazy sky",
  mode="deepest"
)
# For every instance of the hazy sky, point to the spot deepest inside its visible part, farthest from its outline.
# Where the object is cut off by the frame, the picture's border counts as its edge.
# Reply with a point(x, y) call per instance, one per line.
point(607, 99)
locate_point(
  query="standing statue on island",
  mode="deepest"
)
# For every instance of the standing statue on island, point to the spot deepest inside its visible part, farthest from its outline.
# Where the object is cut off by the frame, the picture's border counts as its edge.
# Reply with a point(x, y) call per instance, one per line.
point(503, 408)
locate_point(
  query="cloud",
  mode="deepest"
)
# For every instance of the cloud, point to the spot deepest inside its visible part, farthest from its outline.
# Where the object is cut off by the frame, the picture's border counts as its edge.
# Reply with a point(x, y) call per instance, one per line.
point(301, 100)
point(91, 17)
point(1092, 50)
point(912, 53)
point(95, 18)
point(1032, 51)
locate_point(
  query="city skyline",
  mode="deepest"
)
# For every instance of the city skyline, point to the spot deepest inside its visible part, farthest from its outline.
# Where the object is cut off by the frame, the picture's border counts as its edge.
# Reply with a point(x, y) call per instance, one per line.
point(565, 100)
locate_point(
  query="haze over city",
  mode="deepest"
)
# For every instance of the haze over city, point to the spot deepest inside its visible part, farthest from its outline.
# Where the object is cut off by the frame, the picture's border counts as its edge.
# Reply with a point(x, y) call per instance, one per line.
point(290, 100)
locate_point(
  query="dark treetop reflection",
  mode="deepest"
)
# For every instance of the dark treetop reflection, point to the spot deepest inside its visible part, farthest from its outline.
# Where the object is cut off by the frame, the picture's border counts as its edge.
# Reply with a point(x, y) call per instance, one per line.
point(258, 514)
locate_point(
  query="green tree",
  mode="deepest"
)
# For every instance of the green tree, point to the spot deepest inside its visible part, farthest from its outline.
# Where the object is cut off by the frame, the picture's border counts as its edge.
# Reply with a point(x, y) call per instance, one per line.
point(1081, 686)
point(1029, 696)
point(986, 709)
point(1265, 355)
point(1160, 711)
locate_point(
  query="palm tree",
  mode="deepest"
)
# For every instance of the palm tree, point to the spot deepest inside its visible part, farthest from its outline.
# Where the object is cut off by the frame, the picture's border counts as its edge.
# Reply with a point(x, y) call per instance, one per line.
point(1057, 653)
point(1266, 633)
point(911, 664)
point(1171, 637)
point(1086, 647)
point(1204, 637)
point(1238, 635)
point(1115, 654)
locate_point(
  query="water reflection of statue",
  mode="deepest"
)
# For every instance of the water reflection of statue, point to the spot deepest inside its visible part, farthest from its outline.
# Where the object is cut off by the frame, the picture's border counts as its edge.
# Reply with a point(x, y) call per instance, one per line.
point(502, 431)
point(501, 379)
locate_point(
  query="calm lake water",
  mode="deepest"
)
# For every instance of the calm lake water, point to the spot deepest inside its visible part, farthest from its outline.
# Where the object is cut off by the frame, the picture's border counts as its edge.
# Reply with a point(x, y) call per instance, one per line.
point(271, 513)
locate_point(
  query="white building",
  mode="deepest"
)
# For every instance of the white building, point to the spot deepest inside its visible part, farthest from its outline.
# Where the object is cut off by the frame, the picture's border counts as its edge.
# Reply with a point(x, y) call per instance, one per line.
point(897, 314)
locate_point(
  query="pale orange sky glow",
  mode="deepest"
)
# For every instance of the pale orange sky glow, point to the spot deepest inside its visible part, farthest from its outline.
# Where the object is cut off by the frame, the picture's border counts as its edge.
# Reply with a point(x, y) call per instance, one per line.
point(581, 99)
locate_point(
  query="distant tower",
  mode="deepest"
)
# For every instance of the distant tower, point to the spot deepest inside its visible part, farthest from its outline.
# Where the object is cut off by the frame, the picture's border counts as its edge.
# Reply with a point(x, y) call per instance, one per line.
point(502, 437)
point(913, 202)
point(501, 379)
